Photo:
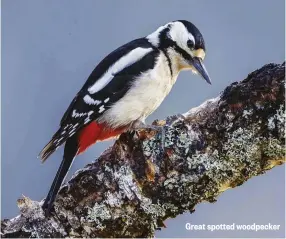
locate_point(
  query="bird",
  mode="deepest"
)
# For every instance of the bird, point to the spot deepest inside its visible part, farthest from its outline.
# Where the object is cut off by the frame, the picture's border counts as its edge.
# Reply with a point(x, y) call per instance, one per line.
point(123, 90)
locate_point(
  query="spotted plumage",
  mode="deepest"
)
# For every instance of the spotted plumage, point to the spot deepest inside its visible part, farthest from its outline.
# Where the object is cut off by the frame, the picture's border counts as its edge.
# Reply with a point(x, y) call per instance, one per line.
point(125, 88)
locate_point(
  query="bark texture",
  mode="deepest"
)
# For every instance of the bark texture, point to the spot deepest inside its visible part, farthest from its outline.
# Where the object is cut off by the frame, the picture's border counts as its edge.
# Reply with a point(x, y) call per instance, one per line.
point(139, 182)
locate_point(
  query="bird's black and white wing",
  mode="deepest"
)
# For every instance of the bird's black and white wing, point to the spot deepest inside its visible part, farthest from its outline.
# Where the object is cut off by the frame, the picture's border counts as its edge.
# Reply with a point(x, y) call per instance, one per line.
point(107, 84)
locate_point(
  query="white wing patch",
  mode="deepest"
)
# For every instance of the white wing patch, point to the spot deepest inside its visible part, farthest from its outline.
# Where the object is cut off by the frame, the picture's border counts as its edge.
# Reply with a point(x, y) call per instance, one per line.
point(89, 100)
point(125, 61)
point(76, 115)
point(101, 109)
point(87, 120)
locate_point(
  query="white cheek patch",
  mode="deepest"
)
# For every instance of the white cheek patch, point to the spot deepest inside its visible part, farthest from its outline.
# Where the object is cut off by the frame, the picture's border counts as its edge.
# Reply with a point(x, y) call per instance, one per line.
point(123, 62)
point(181, 35)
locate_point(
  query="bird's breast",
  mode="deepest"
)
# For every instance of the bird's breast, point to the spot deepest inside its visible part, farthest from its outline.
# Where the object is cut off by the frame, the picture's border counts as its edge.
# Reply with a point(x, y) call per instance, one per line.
point(146, 94)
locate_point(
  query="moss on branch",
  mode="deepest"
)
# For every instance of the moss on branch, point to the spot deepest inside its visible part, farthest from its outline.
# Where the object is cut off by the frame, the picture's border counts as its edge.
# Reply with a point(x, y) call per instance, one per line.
point(138, 183)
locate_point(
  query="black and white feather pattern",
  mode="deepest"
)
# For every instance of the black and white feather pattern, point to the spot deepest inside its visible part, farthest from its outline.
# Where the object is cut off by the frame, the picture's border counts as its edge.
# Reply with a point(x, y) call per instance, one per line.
point(108, 83)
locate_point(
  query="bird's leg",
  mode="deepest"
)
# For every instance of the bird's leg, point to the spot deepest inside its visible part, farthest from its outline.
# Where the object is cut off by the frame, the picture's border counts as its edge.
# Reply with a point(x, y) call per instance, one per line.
point(140, 124)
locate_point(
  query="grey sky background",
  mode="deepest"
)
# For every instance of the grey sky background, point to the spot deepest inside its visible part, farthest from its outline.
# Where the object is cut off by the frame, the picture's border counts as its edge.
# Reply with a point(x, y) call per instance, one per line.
point(49, 48)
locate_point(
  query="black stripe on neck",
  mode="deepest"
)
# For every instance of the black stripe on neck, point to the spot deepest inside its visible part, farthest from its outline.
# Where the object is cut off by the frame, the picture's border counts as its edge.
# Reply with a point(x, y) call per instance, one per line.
point(182, 52)
point(169, 61)
point(165, 42)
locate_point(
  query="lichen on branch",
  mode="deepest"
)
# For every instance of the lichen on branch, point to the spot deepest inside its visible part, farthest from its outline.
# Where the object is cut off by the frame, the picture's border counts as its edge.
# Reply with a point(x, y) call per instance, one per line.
point(142, 180)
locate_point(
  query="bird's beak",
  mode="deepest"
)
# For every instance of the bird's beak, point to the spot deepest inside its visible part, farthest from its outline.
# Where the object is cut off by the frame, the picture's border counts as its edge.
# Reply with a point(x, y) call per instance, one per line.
point(199, 66)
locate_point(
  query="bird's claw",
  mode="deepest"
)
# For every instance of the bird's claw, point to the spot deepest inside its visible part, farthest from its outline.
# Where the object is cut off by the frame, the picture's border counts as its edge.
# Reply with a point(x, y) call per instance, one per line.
point(161, 133)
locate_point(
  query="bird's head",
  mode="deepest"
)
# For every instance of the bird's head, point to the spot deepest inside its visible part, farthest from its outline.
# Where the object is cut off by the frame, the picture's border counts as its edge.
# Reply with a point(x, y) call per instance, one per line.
point(185, 45)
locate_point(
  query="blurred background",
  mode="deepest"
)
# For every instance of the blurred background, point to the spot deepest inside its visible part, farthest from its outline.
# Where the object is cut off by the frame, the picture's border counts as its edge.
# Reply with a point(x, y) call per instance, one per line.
point(49, 48)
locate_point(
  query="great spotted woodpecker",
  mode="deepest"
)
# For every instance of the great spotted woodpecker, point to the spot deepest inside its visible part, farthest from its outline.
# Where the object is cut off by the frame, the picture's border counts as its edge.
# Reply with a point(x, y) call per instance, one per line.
point(123, 89)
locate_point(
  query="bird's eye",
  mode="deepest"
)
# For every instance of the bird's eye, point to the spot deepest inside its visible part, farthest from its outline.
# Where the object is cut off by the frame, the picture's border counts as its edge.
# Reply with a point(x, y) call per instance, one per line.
point(190, 44)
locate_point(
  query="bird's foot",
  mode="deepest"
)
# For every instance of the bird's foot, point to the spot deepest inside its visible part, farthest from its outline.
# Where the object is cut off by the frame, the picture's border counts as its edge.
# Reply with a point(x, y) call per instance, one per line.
point(160, 129)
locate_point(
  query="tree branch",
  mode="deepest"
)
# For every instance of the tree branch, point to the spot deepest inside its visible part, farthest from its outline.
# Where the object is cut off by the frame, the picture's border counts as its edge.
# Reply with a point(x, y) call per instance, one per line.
point(138, 182)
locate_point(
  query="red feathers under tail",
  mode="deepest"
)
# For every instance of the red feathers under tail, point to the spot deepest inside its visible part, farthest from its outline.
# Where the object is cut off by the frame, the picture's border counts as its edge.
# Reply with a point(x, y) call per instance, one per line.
point(96, 132)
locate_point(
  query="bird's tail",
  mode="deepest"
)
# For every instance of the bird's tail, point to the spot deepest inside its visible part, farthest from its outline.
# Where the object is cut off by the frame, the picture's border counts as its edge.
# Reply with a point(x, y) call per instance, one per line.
point(51, 146)
point(71, 150)
point(75, 145)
